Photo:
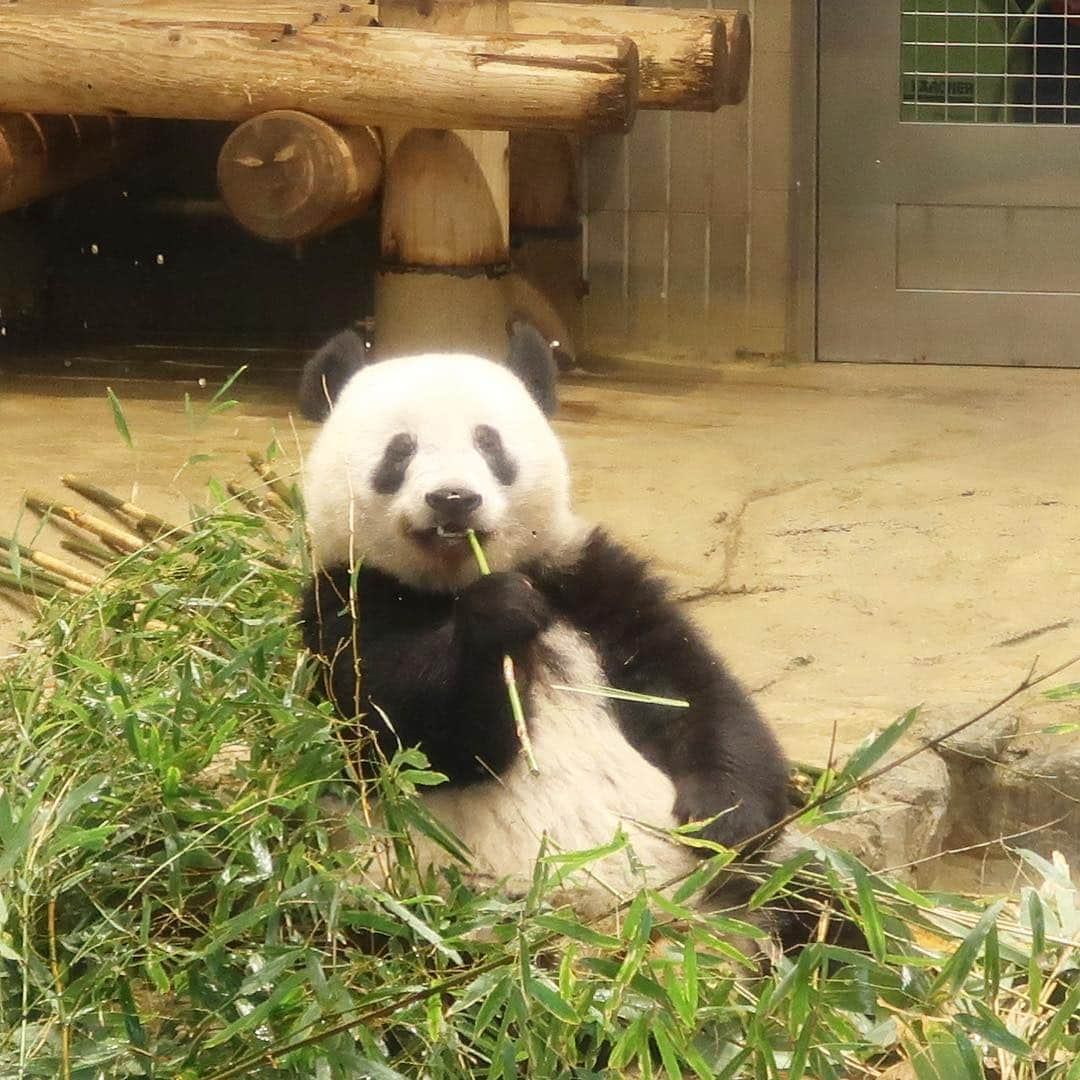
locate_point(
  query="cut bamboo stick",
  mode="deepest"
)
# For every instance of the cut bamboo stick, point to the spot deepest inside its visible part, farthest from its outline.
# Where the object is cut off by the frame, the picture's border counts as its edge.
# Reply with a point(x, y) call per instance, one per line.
point(250, 501)
point(95, 552)
point(43, 590)
point(51, 564)
point(108, 501)
point(125, 541)
point(277, 486)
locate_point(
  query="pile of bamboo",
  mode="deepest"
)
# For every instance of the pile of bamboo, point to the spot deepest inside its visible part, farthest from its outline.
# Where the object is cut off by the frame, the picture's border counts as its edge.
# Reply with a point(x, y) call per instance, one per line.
point(129, 530)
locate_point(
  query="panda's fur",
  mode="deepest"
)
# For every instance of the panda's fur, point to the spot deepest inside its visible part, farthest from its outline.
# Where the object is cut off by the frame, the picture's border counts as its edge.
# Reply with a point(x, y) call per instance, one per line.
point(569, 604)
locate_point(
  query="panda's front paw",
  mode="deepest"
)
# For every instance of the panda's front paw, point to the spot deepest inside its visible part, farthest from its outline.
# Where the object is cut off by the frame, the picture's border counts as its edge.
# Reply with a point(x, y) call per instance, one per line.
point(502, 611)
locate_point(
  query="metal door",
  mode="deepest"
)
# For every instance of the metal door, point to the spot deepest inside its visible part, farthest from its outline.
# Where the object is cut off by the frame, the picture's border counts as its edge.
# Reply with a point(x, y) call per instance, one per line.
point(949, 181)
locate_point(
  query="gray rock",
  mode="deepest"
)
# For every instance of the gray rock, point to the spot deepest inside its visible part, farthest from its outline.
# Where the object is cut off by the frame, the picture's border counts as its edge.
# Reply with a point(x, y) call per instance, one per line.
point(899, 819)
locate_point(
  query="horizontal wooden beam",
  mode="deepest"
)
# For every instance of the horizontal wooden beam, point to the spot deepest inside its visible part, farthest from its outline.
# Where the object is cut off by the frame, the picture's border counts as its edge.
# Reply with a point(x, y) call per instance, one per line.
point(685, 64)
point(41, 155)
point(690, 59)
point(79, 63)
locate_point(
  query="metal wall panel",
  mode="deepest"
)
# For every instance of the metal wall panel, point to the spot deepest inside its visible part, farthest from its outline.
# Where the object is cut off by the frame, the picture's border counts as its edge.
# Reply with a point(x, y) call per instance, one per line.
point(672, 278)
point(994, 284)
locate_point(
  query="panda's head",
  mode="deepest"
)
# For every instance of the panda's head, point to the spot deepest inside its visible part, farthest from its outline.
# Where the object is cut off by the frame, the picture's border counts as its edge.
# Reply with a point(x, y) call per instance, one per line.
point(417, 450)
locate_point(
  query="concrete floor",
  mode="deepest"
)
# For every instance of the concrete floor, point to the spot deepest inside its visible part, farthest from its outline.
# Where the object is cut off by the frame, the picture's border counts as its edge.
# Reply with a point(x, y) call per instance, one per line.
point(855, 539)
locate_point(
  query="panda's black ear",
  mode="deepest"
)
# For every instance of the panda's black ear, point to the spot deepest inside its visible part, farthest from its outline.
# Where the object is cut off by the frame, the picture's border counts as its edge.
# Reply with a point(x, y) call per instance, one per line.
point(327, 372)
point(531, 359)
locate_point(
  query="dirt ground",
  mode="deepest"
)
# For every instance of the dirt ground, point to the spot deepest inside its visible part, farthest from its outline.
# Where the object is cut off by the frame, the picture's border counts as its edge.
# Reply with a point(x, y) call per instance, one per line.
point(855, 539)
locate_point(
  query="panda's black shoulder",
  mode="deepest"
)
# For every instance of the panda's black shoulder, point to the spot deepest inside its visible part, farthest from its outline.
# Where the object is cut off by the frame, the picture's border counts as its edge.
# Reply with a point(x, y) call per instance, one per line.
point(616, 595)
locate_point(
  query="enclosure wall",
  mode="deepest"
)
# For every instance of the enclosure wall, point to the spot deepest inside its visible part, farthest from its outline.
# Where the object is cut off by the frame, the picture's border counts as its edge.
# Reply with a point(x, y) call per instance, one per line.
point(690, 245)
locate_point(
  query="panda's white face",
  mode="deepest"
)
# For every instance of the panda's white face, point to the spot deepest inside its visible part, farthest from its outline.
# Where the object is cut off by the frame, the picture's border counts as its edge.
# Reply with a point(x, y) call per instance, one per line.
point(419, 449)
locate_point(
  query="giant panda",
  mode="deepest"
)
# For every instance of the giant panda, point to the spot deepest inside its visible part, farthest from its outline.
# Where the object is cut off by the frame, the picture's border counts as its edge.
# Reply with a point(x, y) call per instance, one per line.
point(415, 451)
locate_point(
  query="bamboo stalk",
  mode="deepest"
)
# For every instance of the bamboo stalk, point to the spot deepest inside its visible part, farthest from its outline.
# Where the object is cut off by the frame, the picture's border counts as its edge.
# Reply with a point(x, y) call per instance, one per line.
point(52, 565)
point(109, 501)
point(509, 676)
point(41, 589)
point(88, 550)
point(35, 575)
point(119, 538)
point(250, 501)
point(274, 482)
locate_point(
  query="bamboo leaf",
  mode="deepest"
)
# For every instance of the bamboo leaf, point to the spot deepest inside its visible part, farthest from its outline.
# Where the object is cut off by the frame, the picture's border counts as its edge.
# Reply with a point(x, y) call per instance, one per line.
point(119, 419)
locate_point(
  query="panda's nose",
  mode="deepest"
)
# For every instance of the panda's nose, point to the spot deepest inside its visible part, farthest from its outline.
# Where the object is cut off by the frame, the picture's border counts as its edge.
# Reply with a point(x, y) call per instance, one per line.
point(453, 503)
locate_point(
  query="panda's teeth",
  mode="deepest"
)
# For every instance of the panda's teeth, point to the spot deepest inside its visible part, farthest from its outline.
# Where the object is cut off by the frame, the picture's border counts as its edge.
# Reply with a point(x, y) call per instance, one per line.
point(447, 533)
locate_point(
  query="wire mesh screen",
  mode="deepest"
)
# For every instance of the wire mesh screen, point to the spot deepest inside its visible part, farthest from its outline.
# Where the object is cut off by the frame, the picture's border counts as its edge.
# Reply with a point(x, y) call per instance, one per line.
point(990, 61)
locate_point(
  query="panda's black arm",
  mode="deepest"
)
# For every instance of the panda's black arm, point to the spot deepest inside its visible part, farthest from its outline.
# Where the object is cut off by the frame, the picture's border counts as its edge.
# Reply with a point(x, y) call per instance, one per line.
point(431, 663)
point(719, 753)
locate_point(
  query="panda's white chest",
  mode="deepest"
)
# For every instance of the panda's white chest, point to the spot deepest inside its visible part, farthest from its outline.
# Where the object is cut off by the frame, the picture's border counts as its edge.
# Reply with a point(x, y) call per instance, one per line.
point(591, 784)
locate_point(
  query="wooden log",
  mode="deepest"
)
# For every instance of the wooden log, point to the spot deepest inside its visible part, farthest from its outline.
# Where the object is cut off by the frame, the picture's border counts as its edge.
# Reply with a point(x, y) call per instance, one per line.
point(294, 13)
point(285, 175)
point(689, 59)
point(683, 53)
point(344, 75)
point(739, 50)
point(445, 215)
point(41, 155)
point(543, 181)
point(546, 236)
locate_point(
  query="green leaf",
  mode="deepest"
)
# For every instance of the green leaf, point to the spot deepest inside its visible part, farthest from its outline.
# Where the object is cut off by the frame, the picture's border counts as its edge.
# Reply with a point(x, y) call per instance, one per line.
point(369, 1069)
point(668, 1054)
point(779, 878)
point(1037, 922)
point(992, 965)
point(867, 755)
point(549, 998)
point(872, 925)
point(701, 877)
point(956, 969)
point(991, 1029)
point(576, 931)
point(1060, 693)
point(968, 1055)
point(227, 385)
point(118, 418)
point(1066, 1014)
point(418, 926)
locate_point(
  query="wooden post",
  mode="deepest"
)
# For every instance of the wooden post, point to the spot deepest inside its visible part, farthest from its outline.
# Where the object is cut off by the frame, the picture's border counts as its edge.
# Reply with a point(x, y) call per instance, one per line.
point(41, 155)
point(446, 216)
point(97, 65)
point(545, 230)
point(287, 176)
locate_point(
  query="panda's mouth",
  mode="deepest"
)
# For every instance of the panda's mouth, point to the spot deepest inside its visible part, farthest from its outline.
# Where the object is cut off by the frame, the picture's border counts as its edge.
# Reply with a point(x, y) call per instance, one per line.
point(445, 537)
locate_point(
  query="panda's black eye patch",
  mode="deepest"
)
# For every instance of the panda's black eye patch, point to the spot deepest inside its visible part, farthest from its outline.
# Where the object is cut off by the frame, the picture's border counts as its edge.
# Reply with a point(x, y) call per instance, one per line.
point(389, 474)
point(488, 441)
